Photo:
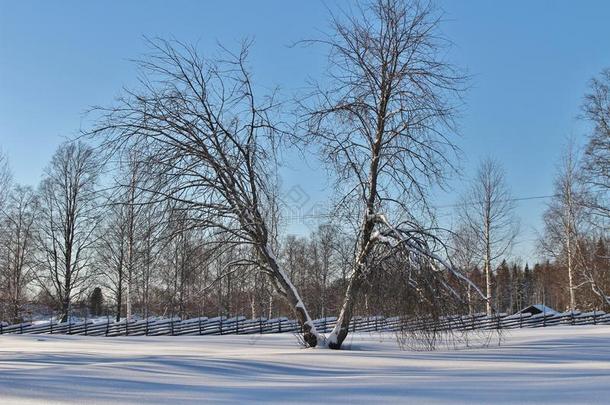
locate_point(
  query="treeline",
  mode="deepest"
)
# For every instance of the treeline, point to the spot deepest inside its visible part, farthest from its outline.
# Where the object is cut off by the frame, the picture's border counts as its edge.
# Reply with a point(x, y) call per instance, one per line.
point(516, 287)
point(71, 246)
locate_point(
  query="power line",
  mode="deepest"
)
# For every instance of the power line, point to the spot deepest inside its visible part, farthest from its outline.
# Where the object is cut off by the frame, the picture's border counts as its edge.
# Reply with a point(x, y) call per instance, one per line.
point(537, 197)
point(529, 198)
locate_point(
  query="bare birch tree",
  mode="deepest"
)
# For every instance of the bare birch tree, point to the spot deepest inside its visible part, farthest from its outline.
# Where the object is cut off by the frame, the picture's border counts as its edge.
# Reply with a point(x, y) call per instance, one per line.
point(597, 154)
point(5, 185)
point(596, 109)
point(597, 272)
point(110, 255)
point(465, 255)
point(133, 208)
point(487, 212)
point(151, 229)
point(200, 130)
point(126, 217)
point(17, 248)
point(382, 121)
point(68, 219)
point(564, 219)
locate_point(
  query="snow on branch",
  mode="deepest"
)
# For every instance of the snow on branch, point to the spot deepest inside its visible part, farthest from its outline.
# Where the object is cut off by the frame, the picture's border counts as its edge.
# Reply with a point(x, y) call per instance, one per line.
point(414, 241)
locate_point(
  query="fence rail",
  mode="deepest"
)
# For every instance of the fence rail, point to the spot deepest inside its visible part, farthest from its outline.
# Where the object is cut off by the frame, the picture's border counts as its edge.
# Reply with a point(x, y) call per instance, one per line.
point(243, 326)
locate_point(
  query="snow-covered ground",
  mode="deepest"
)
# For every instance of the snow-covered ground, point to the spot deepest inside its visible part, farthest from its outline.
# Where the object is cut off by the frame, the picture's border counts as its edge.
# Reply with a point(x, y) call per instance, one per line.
point(569, 365)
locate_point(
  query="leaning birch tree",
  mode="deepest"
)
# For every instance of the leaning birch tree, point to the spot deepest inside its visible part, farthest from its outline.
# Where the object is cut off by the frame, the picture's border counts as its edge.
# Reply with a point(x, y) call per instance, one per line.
point(382, 120)
point(208, 140)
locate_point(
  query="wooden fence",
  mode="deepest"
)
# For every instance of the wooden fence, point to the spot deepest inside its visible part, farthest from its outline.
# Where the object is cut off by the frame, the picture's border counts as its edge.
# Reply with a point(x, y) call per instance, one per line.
point(240, 325)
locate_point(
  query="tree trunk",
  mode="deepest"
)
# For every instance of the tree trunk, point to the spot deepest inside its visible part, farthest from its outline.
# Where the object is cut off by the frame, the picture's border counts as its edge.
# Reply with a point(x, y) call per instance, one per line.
point(339, 333)
point(570, 271)
point(488, 255)
point(65, 308)
point(488, 287)
point(341, 329)
point(310, 335)
point(65, 304)
point(119, 297)
point(469, 296)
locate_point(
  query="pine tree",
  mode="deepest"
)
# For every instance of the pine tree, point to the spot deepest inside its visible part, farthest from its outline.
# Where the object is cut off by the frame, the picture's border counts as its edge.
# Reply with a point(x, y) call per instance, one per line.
point(503, 288)
point(516, 289)
point(96, 302)
point(528, 286)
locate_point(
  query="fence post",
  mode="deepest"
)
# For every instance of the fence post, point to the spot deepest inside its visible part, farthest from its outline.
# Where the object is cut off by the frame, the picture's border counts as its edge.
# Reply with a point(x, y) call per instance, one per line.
point(237, 325)
point(126, 327)
point(199, 324)
point(221, 325)
point(279, 328)
point(171, 325)
point(146, 330)
point(260, 324)
point(520, 321)
point(69, 326)
point(107, 322)
point(21, 327)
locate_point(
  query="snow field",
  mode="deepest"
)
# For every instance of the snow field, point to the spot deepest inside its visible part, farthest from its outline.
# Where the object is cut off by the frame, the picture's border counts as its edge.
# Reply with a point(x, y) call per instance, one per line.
point(555, 365)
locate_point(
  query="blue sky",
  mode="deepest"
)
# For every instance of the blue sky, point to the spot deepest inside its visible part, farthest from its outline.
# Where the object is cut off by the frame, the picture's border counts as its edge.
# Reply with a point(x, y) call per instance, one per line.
point(530, 62)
